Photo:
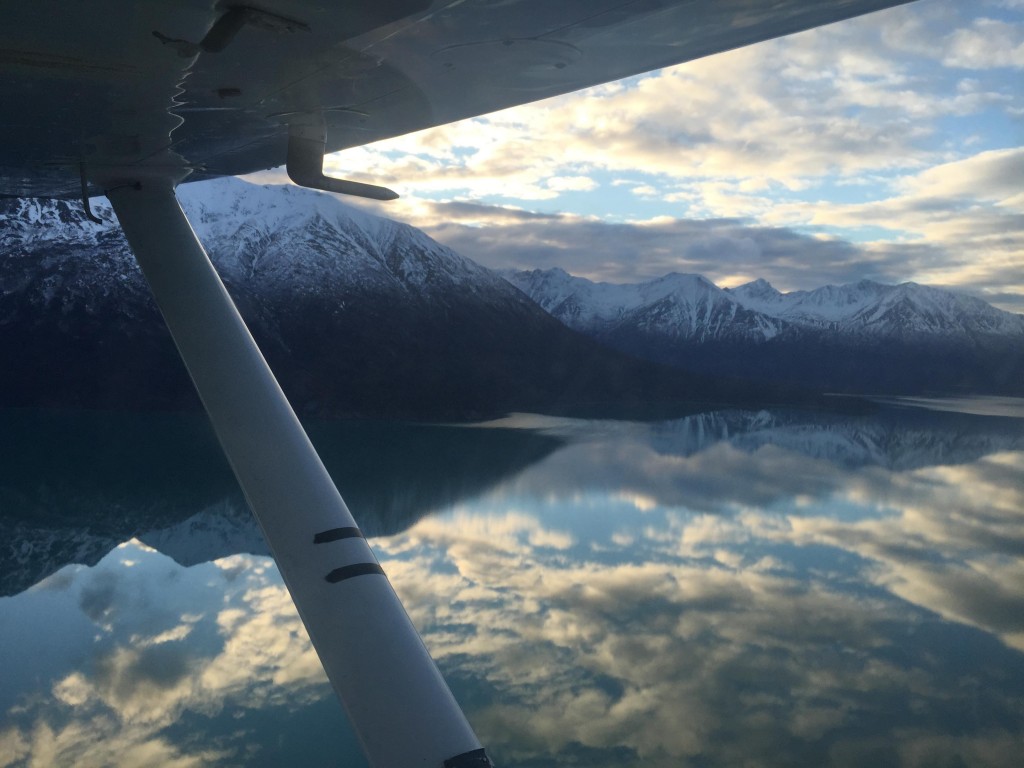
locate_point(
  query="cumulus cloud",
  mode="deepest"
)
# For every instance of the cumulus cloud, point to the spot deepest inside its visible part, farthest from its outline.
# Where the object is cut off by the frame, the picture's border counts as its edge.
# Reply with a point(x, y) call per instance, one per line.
point(652, 630)
point(730, 117)
point(986, 44)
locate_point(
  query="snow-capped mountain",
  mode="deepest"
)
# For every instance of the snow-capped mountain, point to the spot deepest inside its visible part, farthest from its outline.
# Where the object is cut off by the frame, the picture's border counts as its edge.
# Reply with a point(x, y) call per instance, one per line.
point(210, 534)
point(357, 314)
point(866, 336)
point(692, 307)
point(329, 246)
point(274, 238)
point(870, 308)
point(675, 306)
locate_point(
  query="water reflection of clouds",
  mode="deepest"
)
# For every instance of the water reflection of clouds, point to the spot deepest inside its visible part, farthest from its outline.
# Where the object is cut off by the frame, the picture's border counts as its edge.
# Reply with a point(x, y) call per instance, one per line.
point(719, 478)
point(746, 605)
point(621, 603)
point(685, 660)
point(952, 544)
point(152, 655)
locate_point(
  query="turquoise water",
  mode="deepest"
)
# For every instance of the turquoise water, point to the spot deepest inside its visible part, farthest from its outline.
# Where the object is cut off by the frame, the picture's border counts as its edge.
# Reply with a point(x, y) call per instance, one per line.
point(733, 588)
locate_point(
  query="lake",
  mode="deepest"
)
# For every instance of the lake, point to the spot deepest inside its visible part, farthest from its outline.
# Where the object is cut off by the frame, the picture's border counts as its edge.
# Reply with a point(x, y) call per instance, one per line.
point(733, 588)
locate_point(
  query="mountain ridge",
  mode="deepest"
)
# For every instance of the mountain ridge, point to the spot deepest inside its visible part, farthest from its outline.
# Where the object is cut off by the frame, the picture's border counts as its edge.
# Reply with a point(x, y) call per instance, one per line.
point(836, 337)
point(826, 306)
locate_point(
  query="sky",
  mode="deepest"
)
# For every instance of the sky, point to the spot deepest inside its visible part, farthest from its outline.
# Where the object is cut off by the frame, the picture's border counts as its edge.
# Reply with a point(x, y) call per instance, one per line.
point(888, 147)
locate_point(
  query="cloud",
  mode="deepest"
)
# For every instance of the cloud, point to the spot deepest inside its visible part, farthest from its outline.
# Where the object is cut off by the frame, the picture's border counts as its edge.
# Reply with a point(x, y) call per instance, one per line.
point(649, 659)
point(844, 99)
point(992, 176)
point(952, 35)
point(965, 220)
point(729, 117)
point(97, 599)
point(975, 252)
point(617, 252)
point(987, 44)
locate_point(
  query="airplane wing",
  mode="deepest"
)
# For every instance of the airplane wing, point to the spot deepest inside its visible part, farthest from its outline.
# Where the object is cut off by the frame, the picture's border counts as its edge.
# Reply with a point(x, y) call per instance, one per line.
point(90, 89)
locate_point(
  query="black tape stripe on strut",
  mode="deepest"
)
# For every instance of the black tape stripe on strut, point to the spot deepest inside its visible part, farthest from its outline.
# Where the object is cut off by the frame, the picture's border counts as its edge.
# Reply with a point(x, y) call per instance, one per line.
point(334, 534)
point(351, 571)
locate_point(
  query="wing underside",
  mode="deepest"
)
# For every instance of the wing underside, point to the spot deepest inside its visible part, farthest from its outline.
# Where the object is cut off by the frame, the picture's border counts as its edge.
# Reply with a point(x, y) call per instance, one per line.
point(117, 88)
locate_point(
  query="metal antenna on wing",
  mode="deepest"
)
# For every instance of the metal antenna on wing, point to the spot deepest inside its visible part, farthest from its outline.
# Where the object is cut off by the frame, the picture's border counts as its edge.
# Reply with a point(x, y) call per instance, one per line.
point(85, 196)
point(307, 144)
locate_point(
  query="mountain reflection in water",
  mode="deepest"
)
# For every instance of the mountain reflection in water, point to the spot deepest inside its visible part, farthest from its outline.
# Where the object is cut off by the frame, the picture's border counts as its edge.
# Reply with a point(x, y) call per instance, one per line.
point(73, 485)
point(733, 588)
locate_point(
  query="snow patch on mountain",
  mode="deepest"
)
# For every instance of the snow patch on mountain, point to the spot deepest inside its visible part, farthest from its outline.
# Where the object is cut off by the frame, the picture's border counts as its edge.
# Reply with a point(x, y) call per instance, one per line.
point(566, 296)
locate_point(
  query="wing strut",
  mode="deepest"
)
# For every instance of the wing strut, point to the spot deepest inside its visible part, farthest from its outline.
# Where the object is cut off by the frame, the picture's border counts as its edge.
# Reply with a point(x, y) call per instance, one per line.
point(399, 705)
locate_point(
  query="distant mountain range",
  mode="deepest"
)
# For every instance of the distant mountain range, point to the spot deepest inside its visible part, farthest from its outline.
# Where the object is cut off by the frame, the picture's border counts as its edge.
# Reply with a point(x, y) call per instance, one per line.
point(358, 315)
point(860, 338)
